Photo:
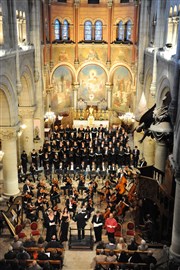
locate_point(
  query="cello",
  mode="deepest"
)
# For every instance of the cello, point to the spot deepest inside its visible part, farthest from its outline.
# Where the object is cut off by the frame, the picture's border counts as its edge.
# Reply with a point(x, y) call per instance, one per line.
point(121, 186)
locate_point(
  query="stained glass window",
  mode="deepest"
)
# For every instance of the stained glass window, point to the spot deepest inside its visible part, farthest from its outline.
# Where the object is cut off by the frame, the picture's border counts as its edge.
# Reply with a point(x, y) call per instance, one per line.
point(120, 31)
point(128, 30)
point(88, 30)
point(98, 30)
point(65, 30)
point(57, 27)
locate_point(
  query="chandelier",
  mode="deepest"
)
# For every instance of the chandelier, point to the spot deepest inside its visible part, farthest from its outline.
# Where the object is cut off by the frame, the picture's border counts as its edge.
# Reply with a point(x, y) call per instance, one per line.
point(128, 118)
point(49, 115)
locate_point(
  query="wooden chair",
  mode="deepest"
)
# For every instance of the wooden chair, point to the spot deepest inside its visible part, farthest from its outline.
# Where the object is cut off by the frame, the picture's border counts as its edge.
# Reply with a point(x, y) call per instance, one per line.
point(34, 228)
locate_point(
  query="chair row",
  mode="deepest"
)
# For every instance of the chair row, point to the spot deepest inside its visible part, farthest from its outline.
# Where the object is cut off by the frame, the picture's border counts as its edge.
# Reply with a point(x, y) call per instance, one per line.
point(118, 251)
point(57, 263)
point(118, 265)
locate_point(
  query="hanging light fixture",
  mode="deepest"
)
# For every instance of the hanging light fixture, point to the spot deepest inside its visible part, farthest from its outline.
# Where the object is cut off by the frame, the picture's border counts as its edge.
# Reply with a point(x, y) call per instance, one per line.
point(128, 118)
point(49, 115)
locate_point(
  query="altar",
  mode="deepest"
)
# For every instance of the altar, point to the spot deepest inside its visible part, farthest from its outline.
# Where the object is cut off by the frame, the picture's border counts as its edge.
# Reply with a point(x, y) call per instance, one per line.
point(95, 123)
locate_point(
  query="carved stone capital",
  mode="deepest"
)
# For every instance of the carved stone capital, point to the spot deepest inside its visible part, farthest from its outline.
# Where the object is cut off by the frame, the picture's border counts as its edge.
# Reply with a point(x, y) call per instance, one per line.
point(27, 112)
point(8, 133)
point(76, 86)
point(108, 87)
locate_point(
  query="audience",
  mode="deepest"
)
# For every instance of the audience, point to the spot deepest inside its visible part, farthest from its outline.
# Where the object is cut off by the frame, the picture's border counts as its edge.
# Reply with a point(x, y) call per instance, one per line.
point(54, 243)
point(143, 246)
point(121, 244)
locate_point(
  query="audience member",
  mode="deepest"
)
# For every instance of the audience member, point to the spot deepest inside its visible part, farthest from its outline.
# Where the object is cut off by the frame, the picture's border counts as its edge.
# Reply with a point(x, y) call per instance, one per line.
point(121, 244)
point(30, 242)
point(22, 254)
point(41, 242)
point(34, 266)
point(54, 243)
point(132, 245)
point(16, 243)
point(143, 246)
point(11, 254)
point(135, 258)
point(111, 245)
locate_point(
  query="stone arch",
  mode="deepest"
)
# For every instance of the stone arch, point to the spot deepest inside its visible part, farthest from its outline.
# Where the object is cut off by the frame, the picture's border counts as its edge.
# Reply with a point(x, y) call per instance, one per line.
point(164, 90)
point(62, 78)
point(26, 97)
point(8, 102)
point(92, 78)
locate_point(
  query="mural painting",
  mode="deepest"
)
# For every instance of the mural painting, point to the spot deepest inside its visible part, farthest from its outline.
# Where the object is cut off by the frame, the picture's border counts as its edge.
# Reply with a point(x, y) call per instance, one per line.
point(61, 95)
point(121, 96)
point(91, 54)
point(92, 80)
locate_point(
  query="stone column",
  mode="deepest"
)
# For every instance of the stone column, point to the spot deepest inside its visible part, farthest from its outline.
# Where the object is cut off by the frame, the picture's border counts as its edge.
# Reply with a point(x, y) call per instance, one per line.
point(148, 150)
point(10, 171)
point(161, 154)
point(109, 4)
point(109, 95)
point(175, 242)
point(75, 95)
point(154, 75)
point(76, 16)
point(27, 114)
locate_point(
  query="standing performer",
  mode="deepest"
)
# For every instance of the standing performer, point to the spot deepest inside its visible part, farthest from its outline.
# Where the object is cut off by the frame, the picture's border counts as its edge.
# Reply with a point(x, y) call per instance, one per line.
point(50, 222)
point(110, 224)
point(81, 223)
point(64, 218)
point(97, 222)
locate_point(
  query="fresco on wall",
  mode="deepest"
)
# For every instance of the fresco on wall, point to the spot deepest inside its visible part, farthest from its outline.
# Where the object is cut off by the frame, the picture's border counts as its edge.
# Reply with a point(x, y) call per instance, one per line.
point(63, 54)
point(92, 80)
point(61, 95)
point(121, 95)
point(122, 54)
point(88, 53)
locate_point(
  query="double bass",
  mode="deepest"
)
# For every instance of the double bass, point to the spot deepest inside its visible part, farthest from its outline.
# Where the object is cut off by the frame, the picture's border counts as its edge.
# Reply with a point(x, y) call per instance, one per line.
point(121, 186)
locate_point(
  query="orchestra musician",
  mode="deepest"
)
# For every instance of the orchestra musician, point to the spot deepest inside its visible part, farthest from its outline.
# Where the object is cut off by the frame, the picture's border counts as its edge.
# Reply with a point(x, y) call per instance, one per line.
point(54, 196)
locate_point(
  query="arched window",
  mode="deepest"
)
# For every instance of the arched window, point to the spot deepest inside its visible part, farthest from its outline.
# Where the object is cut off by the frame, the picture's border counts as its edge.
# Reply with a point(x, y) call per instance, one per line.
point(57, 29)
point(65, 30)
point(98, 30)
point(128, 30)
point(88, 30)
point(120, 31)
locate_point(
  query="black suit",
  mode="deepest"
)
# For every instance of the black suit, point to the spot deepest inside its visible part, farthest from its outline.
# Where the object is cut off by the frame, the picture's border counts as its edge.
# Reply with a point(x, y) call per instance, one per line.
point(81, 223)
point(97, 222)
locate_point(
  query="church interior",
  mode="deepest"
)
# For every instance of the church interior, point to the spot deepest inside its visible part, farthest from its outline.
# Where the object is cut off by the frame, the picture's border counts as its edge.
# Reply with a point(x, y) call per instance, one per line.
point(100, 70)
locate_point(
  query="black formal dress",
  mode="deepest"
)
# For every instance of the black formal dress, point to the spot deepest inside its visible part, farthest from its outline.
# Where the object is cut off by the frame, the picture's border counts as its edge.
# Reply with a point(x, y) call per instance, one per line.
point(64, 228)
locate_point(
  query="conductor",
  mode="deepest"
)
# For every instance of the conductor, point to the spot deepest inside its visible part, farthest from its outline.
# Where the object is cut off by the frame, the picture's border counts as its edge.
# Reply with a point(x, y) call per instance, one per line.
point(80, 218)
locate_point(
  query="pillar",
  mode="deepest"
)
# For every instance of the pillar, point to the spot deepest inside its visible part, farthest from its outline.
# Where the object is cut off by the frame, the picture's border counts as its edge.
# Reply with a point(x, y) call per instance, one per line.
point(75, 95)
point(175, 242)
point(10, 170)
point(109, 4)
point(161, 154)
point(109, 96)
point(154, 75)
point(76, 30)
point(27, 114)
point(149, 150)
